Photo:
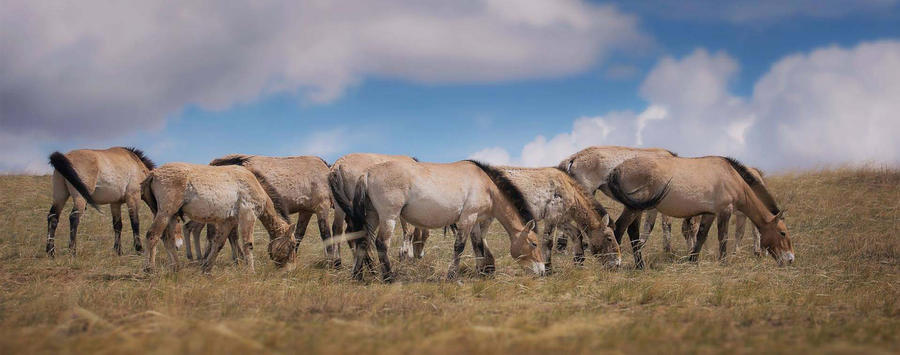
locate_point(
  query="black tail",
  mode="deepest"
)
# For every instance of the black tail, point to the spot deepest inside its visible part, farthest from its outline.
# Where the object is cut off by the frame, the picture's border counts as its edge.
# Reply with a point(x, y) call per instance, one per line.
point(336, 183)
point(64, 166)
point(147, 194)
point(623, 197)
point(360, 205)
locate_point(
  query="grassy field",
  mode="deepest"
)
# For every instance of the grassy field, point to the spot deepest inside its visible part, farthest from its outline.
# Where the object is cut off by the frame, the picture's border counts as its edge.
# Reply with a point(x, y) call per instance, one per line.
point(841, 295)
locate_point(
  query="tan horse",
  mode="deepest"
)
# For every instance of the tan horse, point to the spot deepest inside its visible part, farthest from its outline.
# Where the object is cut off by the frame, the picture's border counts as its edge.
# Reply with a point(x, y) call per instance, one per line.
point(300, 183)
point(349, 169)
point(227, 196)
point(430, 195)
point(555, 198)
point(709, 186)
point(591, 166)
point(112, 176)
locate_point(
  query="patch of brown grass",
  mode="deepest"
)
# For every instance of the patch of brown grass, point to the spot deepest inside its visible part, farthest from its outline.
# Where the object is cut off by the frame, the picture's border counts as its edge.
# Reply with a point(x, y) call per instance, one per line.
point(840, 296)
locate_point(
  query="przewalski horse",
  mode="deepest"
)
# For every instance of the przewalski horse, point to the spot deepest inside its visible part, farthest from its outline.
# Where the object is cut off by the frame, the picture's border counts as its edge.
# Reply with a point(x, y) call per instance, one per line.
point(591, 166)
point(300, 183)
point(710, 187)
point(112, 176)
point(227, 196)
point(556, 199)
point(349, 169)
point(430, 195)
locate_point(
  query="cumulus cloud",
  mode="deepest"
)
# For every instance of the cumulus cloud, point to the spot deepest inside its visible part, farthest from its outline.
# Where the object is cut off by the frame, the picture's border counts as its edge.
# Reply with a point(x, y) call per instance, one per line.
point(832, 105)
point(92, 69)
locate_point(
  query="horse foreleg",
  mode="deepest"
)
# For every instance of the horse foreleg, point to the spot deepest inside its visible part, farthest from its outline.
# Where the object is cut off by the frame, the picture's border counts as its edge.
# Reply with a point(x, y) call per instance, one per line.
point(465, 226)
point(332, 250)
point(740, 223)
point(723, 219)
point(74, 219)
point(219, 234)
point(705, 223)
point(132, 202)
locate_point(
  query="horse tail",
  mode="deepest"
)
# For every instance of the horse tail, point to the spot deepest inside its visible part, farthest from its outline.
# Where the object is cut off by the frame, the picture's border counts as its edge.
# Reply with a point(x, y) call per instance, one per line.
point(360, 204)
point(624, 197)
point(336, 183)
point(147, 194)
point(64, 167)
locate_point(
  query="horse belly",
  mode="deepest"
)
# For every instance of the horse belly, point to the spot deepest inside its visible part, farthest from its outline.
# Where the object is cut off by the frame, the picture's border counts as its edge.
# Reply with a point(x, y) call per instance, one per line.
point(210, 206)
point(687, 202)
point(432, 211)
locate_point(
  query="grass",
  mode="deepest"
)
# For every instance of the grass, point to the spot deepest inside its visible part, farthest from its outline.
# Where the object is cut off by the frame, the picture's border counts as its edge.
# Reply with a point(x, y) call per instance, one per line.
point(841, 295)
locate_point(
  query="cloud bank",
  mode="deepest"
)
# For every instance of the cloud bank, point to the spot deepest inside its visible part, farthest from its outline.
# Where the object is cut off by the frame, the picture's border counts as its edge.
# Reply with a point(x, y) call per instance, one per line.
point(91, 69)
point(831, 105)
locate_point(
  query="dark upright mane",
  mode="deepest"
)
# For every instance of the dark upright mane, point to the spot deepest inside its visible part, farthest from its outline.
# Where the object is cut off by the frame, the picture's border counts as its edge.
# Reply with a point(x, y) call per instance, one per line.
point(277, 199)
point(673, 153)
point(324, 162)
point(235, 159)
point(506, 186)
point(755, 184)
point(415, 159)
point(143, 157)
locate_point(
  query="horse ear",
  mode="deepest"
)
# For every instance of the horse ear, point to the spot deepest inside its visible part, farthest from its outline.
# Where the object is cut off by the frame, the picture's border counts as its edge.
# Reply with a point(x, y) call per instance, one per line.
point(780, 214)
point(605, 220)
point(530, 225)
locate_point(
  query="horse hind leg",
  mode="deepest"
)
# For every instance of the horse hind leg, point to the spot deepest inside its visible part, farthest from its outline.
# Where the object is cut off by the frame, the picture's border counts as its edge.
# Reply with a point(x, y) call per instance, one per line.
point(332, 250)
point(132, 203)
point(723, 219)
point(382, 242)
point(74, 220)
point(60, 195)
point(115, 210)
point(705, 224)
point(406, 242)
point(465, 226)
point(419, 239)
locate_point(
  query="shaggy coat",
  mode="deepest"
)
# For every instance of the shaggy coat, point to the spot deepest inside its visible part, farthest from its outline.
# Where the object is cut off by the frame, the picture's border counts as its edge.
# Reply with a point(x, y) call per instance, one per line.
point(97, 177)
point(227, 196)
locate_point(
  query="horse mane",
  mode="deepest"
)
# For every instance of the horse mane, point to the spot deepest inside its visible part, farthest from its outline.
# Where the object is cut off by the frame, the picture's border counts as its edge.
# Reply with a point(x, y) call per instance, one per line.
point(671, 152)
point(231, 159)
point(324, 162)
point(415, 159)
point(143, 157)
point(277, 199)
point(507, 188)
point(581, 193)
point(758, 187)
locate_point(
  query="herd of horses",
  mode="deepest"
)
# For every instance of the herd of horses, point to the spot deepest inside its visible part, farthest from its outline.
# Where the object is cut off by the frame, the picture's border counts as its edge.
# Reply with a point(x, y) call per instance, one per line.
point(372, 193)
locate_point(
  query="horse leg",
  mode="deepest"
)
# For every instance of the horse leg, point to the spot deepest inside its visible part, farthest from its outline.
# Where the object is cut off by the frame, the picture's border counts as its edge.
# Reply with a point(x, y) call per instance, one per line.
point(210, 240)
point(172, 232)
point(740, 222)
point(465, 225)
point(486, 266)
point(665, 223)
point(332, 251)
point(547, 245)
point(115, 209)
point(302, 223)
point(382, 243)
point(60, 195)
point(723, 219)
point(624, 220)
point(562, 242)
point(577, 243)
point(219, 234)
point(133, 202)
point(705, 223)
point(406, 248)
point(157, 228)
point(648, 224)
point(689, 230)
point(74, 219)
point(188, 243)
point(246, 219)
point(421, 236)
point(237, 254)
point(634, 235)
point(756, 248)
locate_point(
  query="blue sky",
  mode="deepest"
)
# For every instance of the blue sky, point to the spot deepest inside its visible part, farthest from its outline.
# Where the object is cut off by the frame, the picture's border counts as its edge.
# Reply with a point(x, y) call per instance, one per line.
point(708, 71)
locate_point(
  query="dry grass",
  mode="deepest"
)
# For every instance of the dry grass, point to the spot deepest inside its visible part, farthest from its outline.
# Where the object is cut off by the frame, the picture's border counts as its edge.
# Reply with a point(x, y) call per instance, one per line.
point(840, 296)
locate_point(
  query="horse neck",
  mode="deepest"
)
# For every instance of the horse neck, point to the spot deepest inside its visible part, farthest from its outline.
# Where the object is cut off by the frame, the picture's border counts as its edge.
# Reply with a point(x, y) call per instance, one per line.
point(753, 207)
point(506, 214)
point(584, 215)
point(271, 220)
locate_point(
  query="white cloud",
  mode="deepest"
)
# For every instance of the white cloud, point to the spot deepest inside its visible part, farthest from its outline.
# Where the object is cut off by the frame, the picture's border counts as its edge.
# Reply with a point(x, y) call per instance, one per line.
point(91, 69)
point(832, 105)
point(328, 142)
point(493, 155)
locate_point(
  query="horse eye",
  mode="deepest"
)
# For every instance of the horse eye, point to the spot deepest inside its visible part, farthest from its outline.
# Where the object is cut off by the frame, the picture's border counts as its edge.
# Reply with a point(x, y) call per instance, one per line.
point(783, 234)
point(533, 244)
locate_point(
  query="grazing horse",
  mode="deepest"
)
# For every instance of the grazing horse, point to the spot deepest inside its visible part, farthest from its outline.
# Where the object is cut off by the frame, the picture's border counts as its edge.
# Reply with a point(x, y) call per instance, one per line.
point(349, 169)
point(555, 198)
point(429, 195)
point(227, 196)
point(112, 176)
point(591, 166)
point(300, 183)
point(708, 186)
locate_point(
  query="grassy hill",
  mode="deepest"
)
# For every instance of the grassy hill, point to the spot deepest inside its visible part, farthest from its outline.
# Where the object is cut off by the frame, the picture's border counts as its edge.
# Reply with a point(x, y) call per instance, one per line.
point(841, 295)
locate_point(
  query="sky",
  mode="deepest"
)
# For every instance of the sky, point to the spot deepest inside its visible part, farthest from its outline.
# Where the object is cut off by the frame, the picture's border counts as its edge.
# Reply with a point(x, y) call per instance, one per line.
point(781, 85)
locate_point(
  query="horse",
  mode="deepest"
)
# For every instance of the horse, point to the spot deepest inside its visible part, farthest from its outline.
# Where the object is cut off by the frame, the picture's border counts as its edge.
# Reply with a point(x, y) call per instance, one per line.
point(227, 196)
point(349, 168)
point(300, 183)
point(432, 195)
point(712, 187)
point(554, 197)
point(93, 177)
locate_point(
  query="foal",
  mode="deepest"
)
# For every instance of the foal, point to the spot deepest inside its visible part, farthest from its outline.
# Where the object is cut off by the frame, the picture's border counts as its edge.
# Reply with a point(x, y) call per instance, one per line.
point(709, 186)
point(227, 196)
point(112, 176)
